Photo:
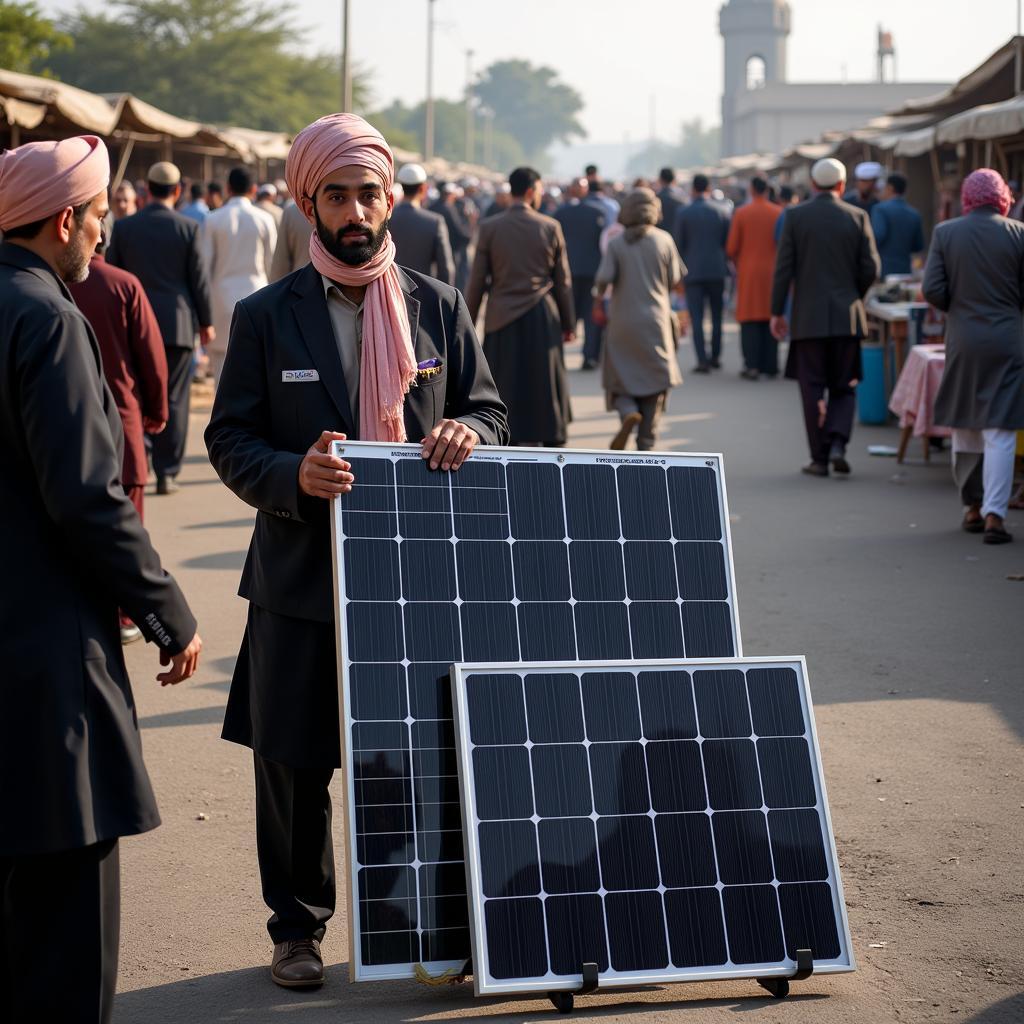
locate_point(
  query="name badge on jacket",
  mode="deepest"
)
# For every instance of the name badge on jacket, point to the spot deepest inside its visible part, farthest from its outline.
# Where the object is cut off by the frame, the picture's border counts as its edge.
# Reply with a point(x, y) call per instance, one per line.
point(297, 376)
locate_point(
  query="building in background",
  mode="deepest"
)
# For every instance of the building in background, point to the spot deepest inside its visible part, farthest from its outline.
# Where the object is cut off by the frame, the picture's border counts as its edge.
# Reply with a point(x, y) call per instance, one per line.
point(762, 112)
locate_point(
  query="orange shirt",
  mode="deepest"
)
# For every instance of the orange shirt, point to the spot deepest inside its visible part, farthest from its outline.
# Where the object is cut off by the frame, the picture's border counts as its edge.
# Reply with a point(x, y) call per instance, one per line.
point(751, 246)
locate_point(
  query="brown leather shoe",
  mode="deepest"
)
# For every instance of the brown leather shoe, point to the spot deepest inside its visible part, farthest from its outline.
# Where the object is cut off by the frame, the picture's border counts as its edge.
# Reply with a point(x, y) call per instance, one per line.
point(629, 423)
point(297, 964)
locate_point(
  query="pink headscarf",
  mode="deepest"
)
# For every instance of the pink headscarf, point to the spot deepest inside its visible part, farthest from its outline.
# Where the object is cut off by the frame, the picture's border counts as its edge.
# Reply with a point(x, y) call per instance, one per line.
point(985, 188)
point(388, 364)
point(40, 179)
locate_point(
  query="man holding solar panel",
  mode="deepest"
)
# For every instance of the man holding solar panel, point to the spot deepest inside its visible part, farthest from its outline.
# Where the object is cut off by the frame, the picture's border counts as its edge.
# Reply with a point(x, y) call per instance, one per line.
point(349, 346)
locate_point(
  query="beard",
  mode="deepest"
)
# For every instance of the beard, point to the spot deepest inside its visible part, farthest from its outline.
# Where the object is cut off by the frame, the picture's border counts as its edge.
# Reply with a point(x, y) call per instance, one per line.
point(73, 263)
point(352, 254)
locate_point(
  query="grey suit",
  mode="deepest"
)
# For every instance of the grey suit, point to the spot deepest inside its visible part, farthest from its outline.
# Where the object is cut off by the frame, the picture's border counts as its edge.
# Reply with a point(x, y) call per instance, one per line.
point(582, 224)
point(292, 250)
point(827, 255)
point(421, 242)
point(161, 248)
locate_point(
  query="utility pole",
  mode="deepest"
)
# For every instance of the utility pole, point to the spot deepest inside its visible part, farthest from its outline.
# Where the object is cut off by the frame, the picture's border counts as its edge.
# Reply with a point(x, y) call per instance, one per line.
point(346, 63)
point(428, 127)
point(489, 138)
point(1017, 82)
point(469, 106)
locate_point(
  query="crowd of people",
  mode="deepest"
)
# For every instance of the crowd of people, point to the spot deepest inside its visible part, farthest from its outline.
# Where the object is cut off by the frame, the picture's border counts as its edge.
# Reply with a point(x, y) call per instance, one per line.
point(343, 302)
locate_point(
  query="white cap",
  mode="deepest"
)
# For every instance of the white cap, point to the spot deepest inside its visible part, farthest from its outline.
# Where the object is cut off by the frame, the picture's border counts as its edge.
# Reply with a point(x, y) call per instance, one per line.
point(411, 174)
point(828, 173)
point(869, 170)
point(450, 187)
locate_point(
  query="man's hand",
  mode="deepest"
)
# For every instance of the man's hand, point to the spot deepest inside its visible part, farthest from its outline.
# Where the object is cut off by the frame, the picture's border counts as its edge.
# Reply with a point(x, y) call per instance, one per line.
point(322, 475)
point(449, 444)
point(779, 327)
point(183, 665)
point(152, 426)
point(206, 335)
point(568, 337)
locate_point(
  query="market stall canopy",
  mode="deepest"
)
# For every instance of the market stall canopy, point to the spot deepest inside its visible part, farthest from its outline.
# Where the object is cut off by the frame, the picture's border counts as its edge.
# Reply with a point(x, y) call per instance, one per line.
point(990, 82)
point(254, 144)
point(991, 121)
point(64, 104)
point(915, 143)
point(21, 113)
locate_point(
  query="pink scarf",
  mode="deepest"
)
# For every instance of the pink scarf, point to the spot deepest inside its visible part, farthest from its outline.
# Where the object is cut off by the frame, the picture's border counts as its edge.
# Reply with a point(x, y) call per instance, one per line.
point(985, 188)
point(387, 367)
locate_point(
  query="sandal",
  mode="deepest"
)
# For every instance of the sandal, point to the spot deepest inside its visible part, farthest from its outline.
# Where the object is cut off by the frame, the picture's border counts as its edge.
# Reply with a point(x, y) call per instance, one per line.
point(973, 525)
point(996, 535)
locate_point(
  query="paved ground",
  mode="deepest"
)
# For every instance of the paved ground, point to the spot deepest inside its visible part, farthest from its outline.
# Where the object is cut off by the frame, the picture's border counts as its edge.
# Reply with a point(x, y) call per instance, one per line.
point(911, 631)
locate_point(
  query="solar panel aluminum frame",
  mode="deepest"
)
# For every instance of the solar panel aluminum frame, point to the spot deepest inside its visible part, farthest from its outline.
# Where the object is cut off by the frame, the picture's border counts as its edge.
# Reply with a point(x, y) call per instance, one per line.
point(484, 984)
point(358, 971)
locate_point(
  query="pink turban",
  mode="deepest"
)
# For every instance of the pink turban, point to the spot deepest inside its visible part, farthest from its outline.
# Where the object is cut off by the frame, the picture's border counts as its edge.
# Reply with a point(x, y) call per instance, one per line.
point(388, 365)
point(40, 179)
point(985, 188)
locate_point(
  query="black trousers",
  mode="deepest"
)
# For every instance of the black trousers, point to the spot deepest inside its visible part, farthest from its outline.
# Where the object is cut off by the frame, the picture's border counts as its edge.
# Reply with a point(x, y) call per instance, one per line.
point(293, 844)
point(168, 447)
point(60, 923)
point(584, 303)
point(699, 293)
point(827, 369)
point(760, 350)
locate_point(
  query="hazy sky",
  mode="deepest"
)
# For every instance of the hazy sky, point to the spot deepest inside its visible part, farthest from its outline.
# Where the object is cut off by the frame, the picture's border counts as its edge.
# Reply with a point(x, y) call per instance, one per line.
point(620, 53)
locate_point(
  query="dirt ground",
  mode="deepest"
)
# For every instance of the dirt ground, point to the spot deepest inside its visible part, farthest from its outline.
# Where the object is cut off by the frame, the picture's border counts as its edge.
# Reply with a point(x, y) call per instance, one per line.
point(913, 635)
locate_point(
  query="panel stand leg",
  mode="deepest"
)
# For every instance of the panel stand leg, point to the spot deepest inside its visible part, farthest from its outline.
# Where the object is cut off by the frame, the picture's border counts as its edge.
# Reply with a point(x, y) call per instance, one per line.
point(779, 987)
point(564, 1002)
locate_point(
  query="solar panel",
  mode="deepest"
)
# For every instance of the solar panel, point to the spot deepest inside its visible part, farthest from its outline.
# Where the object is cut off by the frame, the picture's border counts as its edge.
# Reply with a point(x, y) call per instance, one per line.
point(666, 821)
point(521, 555)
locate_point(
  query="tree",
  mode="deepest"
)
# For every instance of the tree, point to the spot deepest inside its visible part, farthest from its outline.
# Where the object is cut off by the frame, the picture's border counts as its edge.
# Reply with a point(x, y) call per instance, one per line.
point(27, 39)
point(697, 147)
point(216, 61)
point(531, 105)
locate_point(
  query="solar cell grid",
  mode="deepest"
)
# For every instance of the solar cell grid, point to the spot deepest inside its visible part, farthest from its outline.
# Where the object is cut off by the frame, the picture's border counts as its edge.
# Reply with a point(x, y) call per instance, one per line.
point(659, 834)
point(521, 555)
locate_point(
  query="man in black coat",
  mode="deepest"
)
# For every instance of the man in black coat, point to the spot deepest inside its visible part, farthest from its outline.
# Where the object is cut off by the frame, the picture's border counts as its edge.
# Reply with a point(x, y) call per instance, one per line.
point(70, 755)
point(827, 254)
point(161, 248)
point(291, 385)
point(582, 223)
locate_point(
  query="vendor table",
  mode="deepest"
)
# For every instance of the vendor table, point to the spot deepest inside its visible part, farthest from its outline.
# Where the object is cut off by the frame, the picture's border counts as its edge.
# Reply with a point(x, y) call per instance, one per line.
point(913, 398)
point(891, 322)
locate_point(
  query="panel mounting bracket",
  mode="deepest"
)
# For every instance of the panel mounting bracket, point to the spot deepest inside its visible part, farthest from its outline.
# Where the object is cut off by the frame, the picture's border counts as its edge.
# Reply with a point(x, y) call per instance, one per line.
point(564, 1002)
point(779, 987)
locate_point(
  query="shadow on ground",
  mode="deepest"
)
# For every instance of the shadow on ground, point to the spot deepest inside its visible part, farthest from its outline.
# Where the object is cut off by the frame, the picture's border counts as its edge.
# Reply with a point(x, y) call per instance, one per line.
point(249, 995)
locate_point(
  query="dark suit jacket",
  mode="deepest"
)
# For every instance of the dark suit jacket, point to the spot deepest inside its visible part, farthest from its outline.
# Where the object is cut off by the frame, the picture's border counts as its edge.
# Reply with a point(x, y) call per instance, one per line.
point(262, 427)
point(134, 363)
point(161, 248)
point(701, 230)
point(582, 224)
point(671, 204)
point(421, 242)
point(75, 550)
point(898, 234)
point(827, 254)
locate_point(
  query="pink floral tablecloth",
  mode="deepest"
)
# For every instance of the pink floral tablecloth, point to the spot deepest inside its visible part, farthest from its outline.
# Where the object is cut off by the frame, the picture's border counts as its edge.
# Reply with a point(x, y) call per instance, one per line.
point(913, 398)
